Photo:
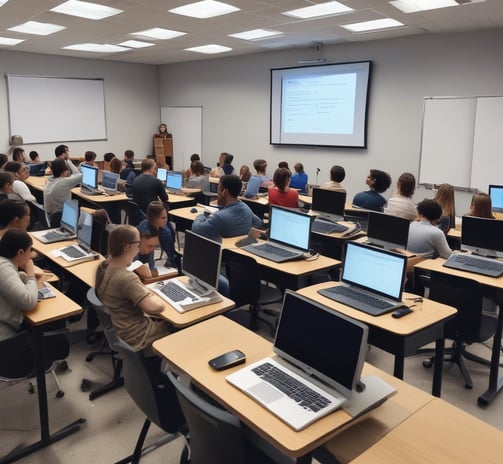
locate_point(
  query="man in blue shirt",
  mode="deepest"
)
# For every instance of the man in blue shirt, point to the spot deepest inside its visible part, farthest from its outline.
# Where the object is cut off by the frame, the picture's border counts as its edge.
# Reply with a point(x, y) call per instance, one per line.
point(379, 182)
point(299, 178)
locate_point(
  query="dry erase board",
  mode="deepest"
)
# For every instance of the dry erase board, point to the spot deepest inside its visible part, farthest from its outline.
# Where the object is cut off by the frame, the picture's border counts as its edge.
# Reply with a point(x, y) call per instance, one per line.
point(56, 109)
point(461, 142)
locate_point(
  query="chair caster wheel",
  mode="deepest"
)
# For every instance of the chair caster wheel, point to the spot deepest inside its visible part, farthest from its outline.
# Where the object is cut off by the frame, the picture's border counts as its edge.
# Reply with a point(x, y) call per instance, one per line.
point(60, 394)
point(89, 357)
point(86, 385)
point(428, 363)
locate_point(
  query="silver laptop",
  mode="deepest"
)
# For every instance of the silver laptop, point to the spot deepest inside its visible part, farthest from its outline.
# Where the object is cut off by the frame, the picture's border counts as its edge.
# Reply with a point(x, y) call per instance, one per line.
point(109, 181)
point(68, 229)
point(174, 182)
point(81, 251)
point(161, 174)
point(289, 236)
point(322, 350)
point(372, 279)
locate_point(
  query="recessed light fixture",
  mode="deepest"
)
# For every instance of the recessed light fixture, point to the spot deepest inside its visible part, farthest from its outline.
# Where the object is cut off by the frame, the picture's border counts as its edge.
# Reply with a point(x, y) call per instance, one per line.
point(9, 41)
point(376, 24)
point(256, 34)
point(85, 10)
point(321, 9)
point(36, 28)
point(159, 33)
point(205, 9)
point(412, 6)
point(136, 44)
point(97, 48)
point(209, 49)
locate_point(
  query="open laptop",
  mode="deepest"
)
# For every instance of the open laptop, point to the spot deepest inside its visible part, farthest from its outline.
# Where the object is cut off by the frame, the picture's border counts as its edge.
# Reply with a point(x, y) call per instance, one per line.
point(328, 207)
point(201, 290)
point(387, 231)
point(37, 169)
point(81, 251)
point(289, 236)
point(318, 348)
point(89, 180)
point(496, 194)
point(161, 174)
point(174, 182)
point(68, 229)
point(372, 279)
point(109, 182)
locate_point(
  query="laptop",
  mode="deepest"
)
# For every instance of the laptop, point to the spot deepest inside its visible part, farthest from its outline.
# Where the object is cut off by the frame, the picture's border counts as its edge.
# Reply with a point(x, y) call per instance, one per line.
point(328, 207)
point(289, 236)
point(387, 231)
point(496, 194)
point(320, 349)
point(161, 174)
point(37, 169)
point(109, 182)
point(81, 251)
point(174, 182)
point(89, 180)
point(372, 279)
point(68, 229)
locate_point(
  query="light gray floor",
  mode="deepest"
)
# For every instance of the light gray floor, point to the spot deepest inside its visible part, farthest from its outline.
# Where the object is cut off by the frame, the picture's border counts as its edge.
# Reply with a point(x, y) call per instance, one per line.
point(114, 422)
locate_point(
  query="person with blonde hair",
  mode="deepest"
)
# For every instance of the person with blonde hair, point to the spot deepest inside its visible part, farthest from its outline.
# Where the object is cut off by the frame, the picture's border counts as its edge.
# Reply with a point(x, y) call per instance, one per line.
point(481, 206)
point(281, 194)
point(445, 198)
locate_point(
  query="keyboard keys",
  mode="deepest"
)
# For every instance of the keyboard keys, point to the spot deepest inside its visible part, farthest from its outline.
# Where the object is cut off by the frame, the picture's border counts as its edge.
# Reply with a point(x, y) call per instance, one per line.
point(327, 227)
point(362, 297)
point(73, 252)
point(274, 250)
point(175, 293)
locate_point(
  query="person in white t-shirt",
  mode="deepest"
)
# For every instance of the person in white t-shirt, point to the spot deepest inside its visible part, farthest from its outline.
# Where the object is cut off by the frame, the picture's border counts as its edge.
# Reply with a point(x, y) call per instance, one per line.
point(401, 204)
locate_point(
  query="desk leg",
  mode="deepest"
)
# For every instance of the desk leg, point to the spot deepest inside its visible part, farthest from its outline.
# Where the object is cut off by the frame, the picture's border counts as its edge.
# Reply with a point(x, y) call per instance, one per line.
point(398, 366)
point(438, 366)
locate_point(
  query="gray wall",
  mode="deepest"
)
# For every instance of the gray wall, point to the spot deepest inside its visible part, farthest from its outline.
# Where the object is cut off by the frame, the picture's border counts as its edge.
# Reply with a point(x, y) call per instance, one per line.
point(131, 99)
point(234, 94)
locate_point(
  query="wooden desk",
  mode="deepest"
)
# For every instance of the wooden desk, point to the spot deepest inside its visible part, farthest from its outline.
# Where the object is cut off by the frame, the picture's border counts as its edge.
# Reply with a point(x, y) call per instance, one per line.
point(36, 182)
point(99, 200)
point(494, 287)
point(46, 311)
point(401, 337)
point(183, 217)
point(189, 350)
point(438, 433)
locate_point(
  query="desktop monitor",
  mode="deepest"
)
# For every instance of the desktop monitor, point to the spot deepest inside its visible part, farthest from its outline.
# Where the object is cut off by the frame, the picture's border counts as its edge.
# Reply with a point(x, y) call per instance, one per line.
point(89, 176)
point(161, 174)
point(203, 273)
point(496, 194)
point(328, 204)
point(85, 229)
point(109, 180)
point(387, 231)
point(482, 236)
point(174, 180)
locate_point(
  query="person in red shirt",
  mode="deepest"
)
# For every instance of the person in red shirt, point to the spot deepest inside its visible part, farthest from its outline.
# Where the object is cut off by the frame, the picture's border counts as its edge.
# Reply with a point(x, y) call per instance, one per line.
point(281, 194)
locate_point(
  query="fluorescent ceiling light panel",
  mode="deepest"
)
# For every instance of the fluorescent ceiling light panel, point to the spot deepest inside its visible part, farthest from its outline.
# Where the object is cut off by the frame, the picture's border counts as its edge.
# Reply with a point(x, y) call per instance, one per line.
point(256, 34)
point(374, 25)
point(321, 9)
point(36, 28)
point(85, 10)
point(97, 48)
point(412, 6)
point(159, 33)
point(209, 49)
point(205, 9)
point(9, 41)
point(136, 44)
point(3, 2)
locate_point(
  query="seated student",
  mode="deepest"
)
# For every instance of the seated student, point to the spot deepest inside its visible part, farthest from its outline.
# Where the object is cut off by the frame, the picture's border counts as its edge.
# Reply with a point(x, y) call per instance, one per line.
point(19, 155)
point(188, 172)
point(226, 168)
point(13, 215)
point(149, 241)
point(6, 184)
point(215, 172)
point(89, 159)
point(259, 180)
point(299, 178)
point(108, 157)
point(124, 185)
point(284, 164)
point(3, 160)
point(244, 173)
point(401, 204)
point(129, 159)
point(379, 182)
point(198, 179)
point(337, 175)
point(425, 238)
point(445, 198)
point(281, 194)
point(63, 152)
point(127, 299)
point(34, 158)
point(147, 187)
point(233, 219)
point(481, 206)
point(20, 190)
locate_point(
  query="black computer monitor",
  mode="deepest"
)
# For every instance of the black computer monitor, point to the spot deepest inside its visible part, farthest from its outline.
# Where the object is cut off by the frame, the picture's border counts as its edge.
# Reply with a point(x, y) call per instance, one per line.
point(482, 236)
point(496, 194)
point(89, 176)
point(387, 231)
point(328, 204)
point(201, 263)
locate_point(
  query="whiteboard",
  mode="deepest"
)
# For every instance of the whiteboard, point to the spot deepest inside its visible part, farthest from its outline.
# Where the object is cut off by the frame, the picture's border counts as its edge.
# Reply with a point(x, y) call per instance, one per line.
point(56, 109)
point(186, 125)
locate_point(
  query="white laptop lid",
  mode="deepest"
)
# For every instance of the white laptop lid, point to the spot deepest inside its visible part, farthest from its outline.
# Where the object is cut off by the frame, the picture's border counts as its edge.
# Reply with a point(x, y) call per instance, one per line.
point(161, 174)
point(290, 227)
point(109, 181)
point(174, 180)
point(374, 269)
point(70, 216)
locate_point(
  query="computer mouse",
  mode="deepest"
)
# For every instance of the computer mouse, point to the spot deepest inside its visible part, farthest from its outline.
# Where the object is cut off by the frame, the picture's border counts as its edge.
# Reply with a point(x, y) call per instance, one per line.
point(193, 210)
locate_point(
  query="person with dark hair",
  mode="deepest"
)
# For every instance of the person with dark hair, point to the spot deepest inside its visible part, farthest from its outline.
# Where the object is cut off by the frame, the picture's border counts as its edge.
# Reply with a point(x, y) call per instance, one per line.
point(108, 157)
point(283, 164)
point(401, 203)
point(282, 194)
point(63, 152)
point(3, 160)
point(226, 167)
point(89, 159)
point(13, 215)
point(244, 173)
point(6, 183)
point(149, 241)
point(259, 180)
point(147, 187)
point(19, 155)
point(481, 206)
point(233, 219)
point(34, 158)
point(379, 182)
point(337, 175)
point(20, 190)
point(129, 159)
point(198, 179)
point(425, 238)
point(188, 172)
point(299, 178)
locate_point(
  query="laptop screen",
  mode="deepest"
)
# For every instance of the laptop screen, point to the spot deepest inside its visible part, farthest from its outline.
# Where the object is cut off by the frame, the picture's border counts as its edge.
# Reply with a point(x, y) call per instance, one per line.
point(37, 169)
point(321, 342)
point(70, 215)
point(174, 180)
point(85, 229)
point(482, 236)
point(496, 194)
point(161, 174)
point(109, 180)
point(329, 204)
point(387, 231)
point(290, 227)
point(374, 269)
point(89, 176)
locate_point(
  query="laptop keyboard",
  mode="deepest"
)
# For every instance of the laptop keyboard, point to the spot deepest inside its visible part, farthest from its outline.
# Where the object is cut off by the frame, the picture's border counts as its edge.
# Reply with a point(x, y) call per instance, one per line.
point(274, 250)
point(293, 388)
point(359, 296)
point(480, 264)
point(54, 235)
point(73, 252)
point(175, 293)
point(327, 227)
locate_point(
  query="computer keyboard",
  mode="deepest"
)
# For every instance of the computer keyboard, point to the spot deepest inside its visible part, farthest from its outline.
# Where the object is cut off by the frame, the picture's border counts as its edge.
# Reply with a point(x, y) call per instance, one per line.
point(293, 388)
point(358, 296)
point(478, 264)
point(73, 252)
point(54, 235)
point(267, 248)
point(175, 293)
point(327, 227)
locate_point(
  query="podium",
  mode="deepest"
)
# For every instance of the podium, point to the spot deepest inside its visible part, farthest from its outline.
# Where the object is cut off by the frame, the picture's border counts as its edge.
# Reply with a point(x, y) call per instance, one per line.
point(163, 150)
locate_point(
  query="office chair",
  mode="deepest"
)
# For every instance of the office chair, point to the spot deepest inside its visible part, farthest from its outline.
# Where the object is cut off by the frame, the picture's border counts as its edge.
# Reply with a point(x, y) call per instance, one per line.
point(258, 209)
point(469, 325)
point(105, 350)
point(152, 393)
point(247, 288)
point(134, 215)
point(217, 436)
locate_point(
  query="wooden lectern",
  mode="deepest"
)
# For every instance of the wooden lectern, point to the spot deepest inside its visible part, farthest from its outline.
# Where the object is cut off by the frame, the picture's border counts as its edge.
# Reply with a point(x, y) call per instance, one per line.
point(163, 150)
